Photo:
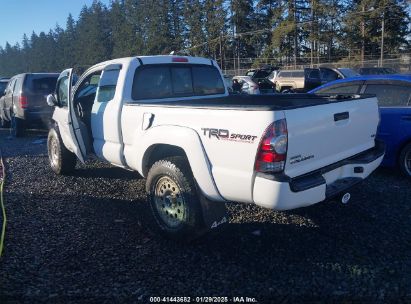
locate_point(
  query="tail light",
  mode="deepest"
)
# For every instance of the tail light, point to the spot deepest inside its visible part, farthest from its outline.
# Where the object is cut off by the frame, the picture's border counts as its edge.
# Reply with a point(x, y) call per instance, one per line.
point(23, 102)
point(272, 151)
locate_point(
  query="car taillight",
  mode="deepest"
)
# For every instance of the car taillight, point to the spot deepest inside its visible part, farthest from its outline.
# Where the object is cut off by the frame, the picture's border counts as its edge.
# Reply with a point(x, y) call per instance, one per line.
point(272, 151)
point(23, 101)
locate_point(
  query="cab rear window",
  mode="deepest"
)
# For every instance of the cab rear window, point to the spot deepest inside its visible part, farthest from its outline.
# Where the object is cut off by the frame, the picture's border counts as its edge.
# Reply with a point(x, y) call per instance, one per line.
point(167, 81)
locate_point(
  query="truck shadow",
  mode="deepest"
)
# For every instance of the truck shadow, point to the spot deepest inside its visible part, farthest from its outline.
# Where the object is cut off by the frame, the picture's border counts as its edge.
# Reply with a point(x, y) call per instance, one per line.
point(107, 171)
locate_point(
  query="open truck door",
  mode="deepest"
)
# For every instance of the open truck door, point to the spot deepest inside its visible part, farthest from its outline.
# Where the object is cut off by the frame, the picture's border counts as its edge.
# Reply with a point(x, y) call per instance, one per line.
point(71, 129)
point(78, 130)
point(312, 79)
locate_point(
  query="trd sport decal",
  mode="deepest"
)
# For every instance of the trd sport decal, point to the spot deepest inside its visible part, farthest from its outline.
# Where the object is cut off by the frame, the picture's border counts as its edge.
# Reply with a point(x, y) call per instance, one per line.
point(222, 134)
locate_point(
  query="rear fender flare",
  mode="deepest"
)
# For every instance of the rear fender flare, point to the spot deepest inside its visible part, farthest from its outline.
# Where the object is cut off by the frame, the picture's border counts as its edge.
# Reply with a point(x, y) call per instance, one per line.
point(189, 141)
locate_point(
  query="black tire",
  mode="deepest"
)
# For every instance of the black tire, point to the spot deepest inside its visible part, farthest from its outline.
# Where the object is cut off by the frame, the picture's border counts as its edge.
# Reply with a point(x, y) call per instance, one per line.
point(405, 160)
point(17, 126)
point(176, 212)
point(62, 161)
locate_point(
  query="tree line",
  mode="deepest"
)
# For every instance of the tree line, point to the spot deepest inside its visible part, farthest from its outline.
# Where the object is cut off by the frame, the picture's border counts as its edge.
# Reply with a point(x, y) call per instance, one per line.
point(284, 32)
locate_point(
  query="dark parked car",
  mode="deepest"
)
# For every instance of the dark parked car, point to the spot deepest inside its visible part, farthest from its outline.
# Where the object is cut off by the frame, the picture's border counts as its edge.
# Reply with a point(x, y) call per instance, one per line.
point(24, 103)
point(260, 77)
point(376, 71)
point(394, 98)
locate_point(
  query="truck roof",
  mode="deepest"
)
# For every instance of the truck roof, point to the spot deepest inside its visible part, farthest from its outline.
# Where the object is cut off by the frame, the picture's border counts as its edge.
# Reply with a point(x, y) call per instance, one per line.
point(159, 59)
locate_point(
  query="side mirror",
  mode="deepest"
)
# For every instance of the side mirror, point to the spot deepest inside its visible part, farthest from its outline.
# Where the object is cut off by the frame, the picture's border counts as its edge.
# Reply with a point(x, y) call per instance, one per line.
point(51, 100)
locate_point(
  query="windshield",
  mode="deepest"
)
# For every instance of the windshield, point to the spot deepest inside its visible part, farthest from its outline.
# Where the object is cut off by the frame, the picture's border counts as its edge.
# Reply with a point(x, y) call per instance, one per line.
point(348, 72)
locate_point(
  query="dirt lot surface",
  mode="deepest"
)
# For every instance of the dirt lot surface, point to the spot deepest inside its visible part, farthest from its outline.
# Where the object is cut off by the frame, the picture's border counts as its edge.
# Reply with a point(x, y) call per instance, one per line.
point(83, 238)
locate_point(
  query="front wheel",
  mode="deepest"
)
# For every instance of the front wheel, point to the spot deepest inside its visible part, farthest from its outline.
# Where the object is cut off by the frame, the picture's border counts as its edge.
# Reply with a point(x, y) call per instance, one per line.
point(173, 200)
point(62, 161)
point(405, 160)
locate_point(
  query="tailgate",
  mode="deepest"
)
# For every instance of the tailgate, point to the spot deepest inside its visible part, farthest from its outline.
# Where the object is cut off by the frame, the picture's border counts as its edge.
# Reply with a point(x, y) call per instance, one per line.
point(38, 103)
point(321, 135)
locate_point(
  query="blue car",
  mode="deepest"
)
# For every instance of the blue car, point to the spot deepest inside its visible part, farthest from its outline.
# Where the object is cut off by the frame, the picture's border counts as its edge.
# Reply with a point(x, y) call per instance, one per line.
point(394, 98)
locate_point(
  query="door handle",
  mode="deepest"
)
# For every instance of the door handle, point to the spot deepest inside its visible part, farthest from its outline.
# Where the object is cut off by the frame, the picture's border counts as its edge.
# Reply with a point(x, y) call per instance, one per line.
point(341, 116)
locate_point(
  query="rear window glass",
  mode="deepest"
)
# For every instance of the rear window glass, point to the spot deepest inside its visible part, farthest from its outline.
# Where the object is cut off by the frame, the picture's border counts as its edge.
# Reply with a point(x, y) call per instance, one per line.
point(298, 74)
point(166, 81)
point(207, 81)
point(41, 84)
point(390, 95)
point(182, 81)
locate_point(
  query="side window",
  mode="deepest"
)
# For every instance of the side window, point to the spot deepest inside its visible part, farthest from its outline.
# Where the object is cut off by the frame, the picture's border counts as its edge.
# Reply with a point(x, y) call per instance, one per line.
point(286, 74)
point(297, 74)
point(347, 89)
point(107, 85)
point(62, 91)
point(390, 95)
point(10, 86)
point(328, 75)
point(19, 85)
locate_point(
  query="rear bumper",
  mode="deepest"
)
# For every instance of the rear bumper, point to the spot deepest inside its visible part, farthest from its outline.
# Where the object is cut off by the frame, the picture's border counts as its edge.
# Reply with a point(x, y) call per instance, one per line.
point(281, 192)
point(36, 116)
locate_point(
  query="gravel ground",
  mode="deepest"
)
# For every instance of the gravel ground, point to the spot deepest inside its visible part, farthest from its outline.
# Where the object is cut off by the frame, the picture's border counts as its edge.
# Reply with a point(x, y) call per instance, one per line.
point(83, 238)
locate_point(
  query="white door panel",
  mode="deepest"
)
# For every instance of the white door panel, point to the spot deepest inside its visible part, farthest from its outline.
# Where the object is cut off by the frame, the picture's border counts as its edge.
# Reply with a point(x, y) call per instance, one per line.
point(105, 117)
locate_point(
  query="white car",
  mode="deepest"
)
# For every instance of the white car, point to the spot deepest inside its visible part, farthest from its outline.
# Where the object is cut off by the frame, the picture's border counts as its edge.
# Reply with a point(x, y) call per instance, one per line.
point(172, 120)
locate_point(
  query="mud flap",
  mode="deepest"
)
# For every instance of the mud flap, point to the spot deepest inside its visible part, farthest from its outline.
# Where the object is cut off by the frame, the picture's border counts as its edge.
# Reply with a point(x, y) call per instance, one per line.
point(214, 213)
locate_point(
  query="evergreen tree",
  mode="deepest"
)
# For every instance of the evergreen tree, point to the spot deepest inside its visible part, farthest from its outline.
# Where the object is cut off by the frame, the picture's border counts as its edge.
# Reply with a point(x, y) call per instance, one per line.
point(93, 43)
point(194, 27)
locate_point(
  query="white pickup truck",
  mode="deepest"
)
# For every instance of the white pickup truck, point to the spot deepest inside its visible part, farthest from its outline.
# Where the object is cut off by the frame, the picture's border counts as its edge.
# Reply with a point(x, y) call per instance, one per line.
point(171, 119)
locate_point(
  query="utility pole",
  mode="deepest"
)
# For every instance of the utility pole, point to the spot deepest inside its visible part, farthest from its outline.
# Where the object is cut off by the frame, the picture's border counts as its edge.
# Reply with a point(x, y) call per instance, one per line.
point(221, 52)
point(382, 39)
point(362, 36)
point(238, 54)
point(295, 34)
point(312, 33)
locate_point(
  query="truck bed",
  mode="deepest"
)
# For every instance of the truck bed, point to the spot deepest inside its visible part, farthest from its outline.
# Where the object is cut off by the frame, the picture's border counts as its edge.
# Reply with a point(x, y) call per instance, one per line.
point(267, 102)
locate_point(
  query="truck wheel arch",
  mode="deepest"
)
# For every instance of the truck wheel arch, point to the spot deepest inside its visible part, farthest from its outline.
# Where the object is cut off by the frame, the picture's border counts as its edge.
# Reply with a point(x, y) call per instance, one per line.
point(160, 151)
point(185, 142)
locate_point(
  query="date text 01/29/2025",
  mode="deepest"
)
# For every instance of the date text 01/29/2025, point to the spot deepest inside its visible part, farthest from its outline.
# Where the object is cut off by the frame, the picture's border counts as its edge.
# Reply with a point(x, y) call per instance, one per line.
point(203, 300)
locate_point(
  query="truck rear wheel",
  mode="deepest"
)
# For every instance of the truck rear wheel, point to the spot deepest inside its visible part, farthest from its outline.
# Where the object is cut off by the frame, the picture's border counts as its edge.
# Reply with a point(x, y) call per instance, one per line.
point(174, 203)
point(62, 161)
point(405, 160)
